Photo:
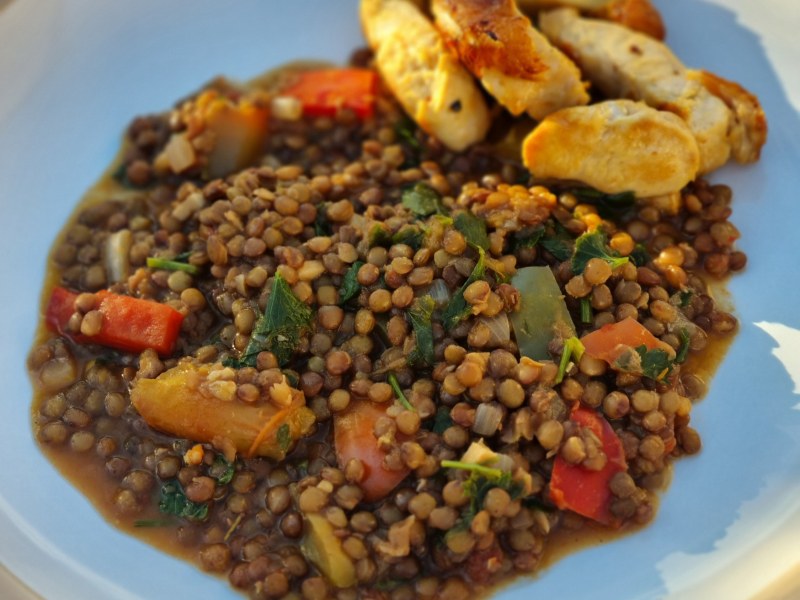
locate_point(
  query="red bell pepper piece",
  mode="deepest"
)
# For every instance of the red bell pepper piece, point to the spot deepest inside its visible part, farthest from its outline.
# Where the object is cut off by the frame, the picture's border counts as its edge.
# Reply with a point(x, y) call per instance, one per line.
point(323, 92)
point(582, 490)
point(610, 341)
point(354, 437)
point(129, 324)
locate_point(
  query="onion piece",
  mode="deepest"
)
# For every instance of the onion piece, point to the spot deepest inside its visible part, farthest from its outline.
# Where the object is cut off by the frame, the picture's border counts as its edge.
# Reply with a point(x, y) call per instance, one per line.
point(488, 417)
point(115, 255)
point(439, 291)
point(499, 328)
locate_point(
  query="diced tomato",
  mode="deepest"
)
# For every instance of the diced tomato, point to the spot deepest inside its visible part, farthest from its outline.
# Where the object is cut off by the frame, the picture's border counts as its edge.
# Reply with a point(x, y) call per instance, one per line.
point(323, 92)
point(581, 490)
point(129, 324)
point(610, 341)
point(354, 437)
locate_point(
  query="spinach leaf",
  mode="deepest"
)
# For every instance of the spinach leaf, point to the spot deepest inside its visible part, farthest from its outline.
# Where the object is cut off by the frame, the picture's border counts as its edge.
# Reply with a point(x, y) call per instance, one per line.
point(423, 200)
point(593, 245)
point(280, 328)
point(421, 315)
point(173, 501)
point(458, 309)
point(473, 228)
point(350, 286)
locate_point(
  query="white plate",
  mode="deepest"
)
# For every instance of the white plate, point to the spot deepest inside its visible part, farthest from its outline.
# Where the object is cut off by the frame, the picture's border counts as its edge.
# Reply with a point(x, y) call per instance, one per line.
point(74, 73)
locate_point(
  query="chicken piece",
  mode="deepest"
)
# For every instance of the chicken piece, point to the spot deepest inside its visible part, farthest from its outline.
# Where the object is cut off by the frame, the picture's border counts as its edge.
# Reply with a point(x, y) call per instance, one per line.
point(614, 146)
point(748, 133)
point(626, 64)
point(639, 15)
point(515, 63)
point(425, 77)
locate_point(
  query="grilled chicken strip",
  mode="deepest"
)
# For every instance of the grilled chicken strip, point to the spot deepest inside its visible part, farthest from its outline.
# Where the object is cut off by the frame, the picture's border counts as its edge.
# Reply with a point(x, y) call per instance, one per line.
point(427, 79)
point(614, 146)
point(515, 63)
point(639, 15)
point(626, 64)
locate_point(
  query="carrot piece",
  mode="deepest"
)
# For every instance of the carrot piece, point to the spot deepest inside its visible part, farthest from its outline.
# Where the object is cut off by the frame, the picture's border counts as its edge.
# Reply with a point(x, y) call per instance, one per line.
point(582, 490)
point(129, 324)
point(610, 341)
point(354, 437)
point(323, 92)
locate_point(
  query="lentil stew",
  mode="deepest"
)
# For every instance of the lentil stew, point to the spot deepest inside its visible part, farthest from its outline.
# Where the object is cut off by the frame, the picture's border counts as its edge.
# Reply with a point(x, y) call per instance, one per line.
point(303, 344)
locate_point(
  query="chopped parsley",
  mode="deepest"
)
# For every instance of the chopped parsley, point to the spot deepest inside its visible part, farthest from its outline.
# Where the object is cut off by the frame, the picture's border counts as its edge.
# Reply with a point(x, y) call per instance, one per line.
point(483, 478)
point(593, 245)
point(421, 317)
point(458, 309)
point(350, 286)
point(473, 228)
point(284, 437)
point(422, 200)
point(173, 501)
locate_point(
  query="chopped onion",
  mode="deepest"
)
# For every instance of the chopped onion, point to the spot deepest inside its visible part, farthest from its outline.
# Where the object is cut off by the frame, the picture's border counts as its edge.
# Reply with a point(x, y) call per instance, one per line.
point(487, 418)
point(117, 249)
point(439, 291)
point(500, 330)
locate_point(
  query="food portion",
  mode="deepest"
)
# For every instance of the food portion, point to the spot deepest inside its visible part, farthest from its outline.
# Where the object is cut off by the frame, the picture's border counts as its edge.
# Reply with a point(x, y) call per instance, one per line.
point(645, 151)
point(325, 335)
point(433, 87)
point(514, 62)
point(626, 64)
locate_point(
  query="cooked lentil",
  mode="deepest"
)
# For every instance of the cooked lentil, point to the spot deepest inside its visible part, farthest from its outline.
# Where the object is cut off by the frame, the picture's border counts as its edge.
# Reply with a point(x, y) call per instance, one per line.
point(306, 212)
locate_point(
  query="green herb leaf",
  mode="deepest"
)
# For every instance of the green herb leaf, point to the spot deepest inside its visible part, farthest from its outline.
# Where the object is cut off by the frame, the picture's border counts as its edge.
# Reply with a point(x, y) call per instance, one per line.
point(442, 420)
point(473, 228)
point(379, 235)
point(398, 393)
point(423, 200)
point(683, 349)
point(322, 226)
point(656, 363)
point(405, 129)
point(609, 206)
point(173, 501)
point(224, 470)
point(572, 348)
point(411, 235)
point(421, 317)
point(284, 437)
point(457, 309)
point(350, 286)
point(586, 310)
point(482, 479)
point(142, 523)
point(593, 245)
point(559, 243)
point(685, 298)
point(280, 328)
point(171, 265)
point(527, 238)
point(640, 256)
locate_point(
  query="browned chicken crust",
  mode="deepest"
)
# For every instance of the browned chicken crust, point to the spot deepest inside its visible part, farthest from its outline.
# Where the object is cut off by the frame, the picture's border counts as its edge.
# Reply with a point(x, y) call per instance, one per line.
point(516, 63)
